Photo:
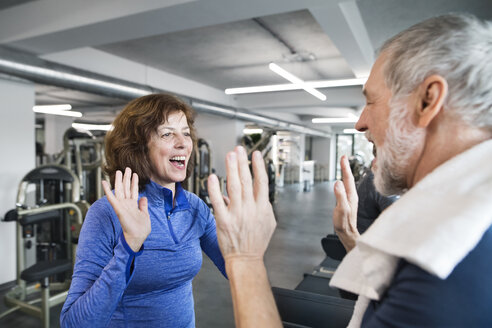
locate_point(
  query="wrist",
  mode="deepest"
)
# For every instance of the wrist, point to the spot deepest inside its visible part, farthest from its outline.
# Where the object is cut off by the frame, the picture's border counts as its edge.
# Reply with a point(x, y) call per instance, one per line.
point(347, 228)
point(240, 262)
point(348, 233)
point(243, 257)
point(348, 240)
point(135, 244)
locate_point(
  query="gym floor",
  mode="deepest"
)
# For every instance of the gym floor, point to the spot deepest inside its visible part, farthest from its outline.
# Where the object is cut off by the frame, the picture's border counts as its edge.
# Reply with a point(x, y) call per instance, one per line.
point(303, 218)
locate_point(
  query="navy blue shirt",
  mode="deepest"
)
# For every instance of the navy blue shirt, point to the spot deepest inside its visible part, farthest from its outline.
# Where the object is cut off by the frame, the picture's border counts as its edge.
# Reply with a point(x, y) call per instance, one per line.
point(371, 202)
point(416, 298)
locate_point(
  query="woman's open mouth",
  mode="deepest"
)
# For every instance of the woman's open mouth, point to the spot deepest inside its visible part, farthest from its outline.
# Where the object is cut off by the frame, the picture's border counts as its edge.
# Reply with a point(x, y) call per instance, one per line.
point(178, 161)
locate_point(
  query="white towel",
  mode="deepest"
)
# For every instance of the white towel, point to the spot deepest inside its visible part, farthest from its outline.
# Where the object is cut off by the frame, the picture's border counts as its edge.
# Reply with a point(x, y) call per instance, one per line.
point(434, 226)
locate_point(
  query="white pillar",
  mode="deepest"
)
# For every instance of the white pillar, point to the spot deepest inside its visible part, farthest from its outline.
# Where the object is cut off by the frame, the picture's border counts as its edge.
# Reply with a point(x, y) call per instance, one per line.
point(54, 128)
point(302, 158)
point(324, 154)
point(17, 146)
point(222, 134)
point(333, 157)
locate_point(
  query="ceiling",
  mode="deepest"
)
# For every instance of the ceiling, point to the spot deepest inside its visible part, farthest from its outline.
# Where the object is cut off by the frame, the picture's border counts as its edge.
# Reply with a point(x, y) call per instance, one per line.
point(198, 48)
point(4, 4)
point(236, 54)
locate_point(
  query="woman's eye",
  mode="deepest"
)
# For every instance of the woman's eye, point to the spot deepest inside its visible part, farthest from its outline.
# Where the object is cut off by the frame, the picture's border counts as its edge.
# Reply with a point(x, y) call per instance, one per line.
point(165, 135)
point(187, 134)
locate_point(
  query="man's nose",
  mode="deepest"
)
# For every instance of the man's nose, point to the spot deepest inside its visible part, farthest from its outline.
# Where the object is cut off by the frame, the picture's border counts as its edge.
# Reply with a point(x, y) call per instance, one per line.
point(361, 124)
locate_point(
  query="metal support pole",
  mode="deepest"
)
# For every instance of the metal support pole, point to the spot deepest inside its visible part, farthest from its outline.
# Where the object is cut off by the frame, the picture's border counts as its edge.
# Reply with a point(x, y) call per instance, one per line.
point(45, 302)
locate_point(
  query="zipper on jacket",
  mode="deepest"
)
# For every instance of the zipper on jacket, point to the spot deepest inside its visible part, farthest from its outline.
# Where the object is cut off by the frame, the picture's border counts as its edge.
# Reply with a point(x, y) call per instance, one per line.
point(171, 228)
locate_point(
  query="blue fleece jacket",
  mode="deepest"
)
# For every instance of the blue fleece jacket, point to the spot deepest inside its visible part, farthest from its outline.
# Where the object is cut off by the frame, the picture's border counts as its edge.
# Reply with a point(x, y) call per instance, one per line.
point(112, 286)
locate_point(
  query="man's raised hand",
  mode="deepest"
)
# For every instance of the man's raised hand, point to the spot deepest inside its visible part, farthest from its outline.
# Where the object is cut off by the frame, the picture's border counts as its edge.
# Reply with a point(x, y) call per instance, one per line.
point(245, 225)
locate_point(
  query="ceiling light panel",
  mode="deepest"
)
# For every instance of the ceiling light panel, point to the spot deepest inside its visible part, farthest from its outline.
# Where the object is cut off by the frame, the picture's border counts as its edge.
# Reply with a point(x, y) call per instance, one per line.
point(295, 80)
point(289, 87)
point(57, 112)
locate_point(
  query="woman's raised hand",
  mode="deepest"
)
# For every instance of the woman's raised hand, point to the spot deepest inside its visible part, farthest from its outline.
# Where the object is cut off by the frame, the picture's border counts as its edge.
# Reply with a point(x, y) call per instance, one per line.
point(132, 213)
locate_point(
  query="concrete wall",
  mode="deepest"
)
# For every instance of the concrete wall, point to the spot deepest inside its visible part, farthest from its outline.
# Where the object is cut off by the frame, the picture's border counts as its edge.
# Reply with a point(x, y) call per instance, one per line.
point(324, 153)
point(222, 134)
point(54, 129)
point(17, 148)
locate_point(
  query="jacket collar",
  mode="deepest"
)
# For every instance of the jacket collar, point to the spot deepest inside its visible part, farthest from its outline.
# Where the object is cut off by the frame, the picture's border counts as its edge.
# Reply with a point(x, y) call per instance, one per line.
point(160, 195)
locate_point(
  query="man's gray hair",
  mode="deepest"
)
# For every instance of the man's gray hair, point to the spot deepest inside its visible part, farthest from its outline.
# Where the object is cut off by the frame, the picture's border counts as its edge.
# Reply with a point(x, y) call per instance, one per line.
point(457, 47)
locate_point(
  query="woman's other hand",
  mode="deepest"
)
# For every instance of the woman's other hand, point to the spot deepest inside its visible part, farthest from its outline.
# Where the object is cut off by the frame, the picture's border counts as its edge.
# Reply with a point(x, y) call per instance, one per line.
point(132, 213)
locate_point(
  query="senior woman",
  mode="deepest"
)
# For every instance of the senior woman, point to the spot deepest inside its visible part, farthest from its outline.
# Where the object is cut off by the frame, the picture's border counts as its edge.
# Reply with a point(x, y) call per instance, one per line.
point(140, 247)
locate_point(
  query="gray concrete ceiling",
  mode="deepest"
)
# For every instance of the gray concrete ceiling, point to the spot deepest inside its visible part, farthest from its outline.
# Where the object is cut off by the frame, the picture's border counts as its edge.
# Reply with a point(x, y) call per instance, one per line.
point(198, 48)
point(237, 54)
point(4, 4)
point(384, 18)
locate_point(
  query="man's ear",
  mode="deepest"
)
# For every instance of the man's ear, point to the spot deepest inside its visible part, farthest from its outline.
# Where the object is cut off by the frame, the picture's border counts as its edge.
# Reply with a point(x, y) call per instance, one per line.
point(433, 92)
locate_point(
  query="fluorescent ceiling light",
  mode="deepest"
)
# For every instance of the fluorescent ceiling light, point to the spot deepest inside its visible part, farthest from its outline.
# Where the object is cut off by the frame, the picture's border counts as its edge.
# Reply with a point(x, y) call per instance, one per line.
point(58, 112)
point(53, 107)
point(351, 131)
point(252, 131)
point(295, 80)
point(262, 88)
point(63, 110)
point(337, 83)
point(335, 120)
point(289, 87)
point(101, 127)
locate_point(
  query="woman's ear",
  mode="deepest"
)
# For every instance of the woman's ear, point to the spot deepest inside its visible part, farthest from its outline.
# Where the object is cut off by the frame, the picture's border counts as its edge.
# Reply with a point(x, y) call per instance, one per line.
point(433, 93)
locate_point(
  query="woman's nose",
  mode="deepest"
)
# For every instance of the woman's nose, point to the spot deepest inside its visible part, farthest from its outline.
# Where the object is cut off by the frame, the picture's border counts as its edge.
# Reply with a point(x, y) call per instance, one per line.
point(179, 141)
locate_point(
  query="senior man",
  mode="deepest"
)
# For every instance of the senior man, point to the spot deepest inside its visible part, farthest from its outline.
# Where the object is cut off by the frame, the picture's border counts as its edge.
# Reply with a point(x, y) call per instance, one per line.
point(426, 261)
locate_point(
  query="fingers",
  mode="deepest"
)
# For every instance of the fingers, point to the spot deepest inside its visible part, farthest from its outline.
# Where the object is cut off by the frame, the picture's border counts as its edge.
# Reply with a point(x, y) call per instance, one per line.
point(340, 194)
point(244, 172)
point(107, 189)
point(261, 179)
point(118, 185)
point(227, 201)
point(109, 193)
point(127, 182)
point(233, 182)
point(216, 196)
point(143, 205)
point(134, 188)
point(348, 179)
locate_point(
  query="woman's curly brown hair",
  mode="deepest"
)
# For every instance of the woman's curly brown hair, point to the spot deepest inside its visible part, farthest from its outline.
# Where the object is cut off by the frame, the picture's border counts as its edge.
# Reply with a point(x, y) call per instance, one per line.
point(127, 144)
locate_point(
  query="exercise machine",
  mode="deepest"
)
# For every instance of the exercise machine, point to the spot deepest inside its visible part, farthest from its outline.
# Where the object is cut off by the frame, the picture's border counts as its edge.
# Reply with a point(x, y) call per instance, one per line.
point(263, 143)
point(313, 303)
point(83, 154)
point(203, 168)
point(48, 211)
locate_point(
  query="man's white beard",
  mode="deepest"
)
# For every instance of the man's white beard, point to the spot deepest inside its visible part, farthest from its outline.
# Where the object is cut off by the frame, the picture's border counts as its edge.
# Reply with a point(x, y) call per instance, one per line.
point(393, 157)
